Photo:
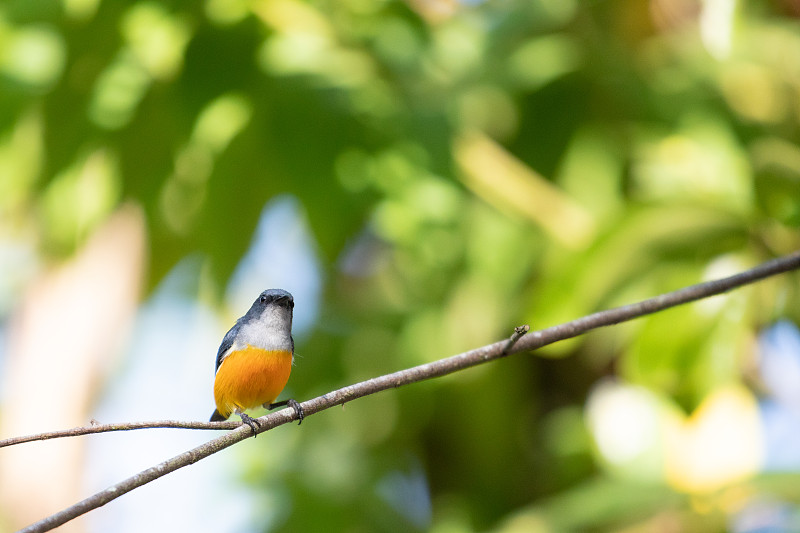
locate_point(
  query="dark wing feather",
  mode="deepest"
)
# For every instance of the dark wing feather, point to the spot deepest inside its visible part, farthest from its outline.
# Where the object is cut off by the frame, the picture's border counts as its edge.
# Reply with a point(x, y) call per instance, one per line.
point(227, 342)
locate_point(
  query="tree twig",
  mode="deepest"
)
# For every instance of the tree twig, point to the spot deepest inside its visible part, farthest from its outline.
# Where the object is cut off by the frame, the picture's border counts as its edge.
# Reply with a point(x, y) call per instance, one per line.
point(122, 426)
point(179, 461)
point(523, 342)
point(519, 331)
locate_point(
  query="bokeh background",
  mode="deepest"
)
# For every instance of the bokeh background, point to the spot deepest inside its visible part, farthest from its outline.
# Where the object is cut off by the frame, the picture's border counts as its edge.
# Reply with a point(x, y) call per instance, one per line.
point(423, 176)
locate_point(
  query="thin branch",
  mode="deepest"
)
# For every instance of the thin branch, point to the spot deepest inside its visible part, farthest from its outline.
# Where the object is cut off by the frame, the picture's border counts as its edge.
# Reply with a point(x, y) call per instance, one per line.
point(179, 461)
point(426, 371)
point(123, 426)
point(519, 331)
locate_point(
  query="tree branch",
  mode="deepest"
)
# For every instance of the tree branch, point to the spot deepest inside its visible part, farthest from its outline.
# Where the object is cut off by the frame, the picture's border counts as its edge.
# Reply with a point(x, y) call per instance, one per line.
point(122, 426)
point(519, 342)
point(519, 331)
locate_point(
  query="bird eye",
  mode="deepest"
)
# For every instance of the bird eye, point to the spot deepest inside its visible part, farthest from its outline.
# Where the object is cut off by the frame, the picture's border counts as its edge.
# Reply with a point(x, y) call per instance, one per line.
point(263, 298)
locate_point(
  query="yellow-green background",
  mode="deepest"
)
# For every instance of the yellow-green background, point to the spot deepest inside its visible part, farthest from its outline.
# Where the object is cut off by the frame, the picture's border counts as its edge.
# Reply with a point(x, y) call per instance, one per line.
point(461, 168)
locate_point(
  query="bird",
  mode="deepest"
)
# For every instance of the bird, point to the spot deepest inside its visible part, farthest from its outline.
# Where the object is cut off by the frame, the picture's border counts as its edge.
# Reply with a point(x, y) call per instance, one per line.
point(255, 359)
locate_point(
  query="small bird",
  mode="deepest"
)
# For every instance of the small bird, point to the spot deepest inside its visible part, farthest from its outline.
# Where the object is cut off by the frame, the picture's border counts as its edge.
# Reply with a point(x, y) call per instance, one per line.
point(255, 359)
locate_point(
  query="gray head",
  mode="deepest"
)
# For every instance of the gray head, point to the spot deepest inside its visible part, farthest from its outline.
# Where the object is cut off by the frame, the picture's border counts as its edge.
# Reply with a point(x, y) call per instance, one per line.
point(268, 323)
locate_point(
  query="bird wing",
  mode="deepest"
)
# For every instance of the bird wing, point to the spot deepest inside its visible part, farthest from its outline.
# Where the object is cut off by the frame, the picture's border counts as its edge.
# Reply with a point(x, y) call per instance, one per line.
point(227, 344)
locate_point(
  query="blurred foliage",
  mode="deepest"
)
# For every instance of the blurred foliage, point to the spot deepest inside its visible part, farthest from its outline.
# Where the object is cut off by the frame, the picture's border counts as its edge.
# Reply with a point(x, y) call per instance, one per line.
point(464, 168)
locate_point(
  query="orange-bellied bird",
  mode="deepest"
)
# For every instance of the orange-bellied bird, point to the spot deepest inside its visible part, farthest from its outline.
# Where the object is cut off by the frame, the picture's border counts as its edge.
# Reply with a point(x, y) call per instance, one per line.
point(255, 359)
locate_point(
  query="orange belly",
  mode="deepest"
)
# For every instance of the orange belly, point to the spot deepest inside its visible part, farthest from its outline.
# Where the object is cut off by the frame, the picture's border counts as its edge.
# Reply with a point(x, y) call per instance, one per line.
point(250, 378)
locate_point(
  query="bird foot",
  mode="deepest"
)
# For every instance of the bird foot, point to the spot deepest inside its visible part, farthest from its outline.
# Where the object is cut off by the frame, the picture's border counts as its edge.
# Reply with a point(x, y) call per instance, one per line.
point(252, 422)
point(294, 404)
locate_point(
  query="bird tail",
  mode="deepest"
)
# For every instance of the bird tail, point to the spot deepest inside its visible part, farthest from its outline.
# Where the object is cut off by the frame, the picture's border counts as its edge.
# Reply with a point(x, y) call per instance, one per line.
point(217, 416)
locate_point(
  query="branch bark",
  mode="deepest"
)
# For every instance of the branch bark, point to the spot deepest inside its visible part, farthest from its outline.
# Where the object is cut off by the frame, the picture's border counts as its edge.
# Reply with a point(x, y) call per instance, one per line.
point(122, 426)
point(519, 342)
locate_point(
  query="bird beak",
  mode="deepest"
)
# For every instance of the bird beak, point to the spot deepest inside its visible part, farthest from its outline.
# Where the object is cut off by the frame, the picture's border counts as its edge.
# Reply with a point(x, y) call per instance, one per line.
point(285, 301)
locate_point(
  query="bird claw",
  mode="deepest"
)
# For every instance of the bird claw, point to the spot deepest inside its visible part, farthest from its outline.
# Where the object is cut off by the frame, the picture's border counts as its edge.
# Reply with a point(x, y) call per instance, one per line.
point(298, 409)
point(294, 404)
point(252, 422)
